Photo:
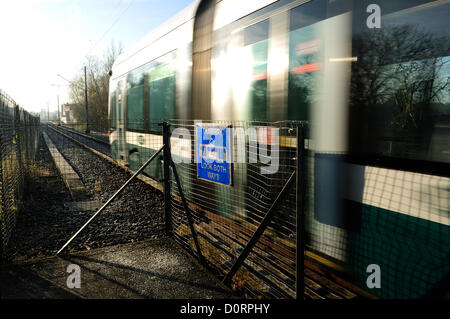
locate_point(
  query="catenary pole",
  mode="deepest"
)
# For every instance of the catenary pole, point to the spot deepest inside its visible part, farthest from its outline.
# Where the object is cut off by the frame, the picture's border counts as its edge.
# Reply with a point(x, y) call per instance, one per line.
point(86, 101)
point(59, 117)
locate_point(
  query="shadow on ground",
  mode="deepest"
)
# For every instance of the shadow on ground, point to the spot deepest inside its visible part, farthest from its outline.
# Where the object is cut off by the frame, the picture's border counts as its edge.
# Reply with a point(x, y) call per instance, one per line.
point(156, 269)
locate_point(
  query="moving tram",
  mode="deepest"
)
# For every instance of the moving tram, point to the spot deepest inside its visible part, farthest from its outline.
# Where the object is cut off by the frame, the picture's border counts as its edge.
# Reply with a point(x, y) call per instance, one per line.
point(371, 79)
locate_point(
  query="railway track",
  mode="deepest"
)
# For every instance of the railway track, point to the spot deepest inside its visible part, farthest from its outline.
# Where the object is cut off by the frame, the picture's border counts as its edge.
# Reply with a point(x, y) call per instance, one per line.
point(99, 144)
point(137, 214)
point(99, 149)
point(320, 284)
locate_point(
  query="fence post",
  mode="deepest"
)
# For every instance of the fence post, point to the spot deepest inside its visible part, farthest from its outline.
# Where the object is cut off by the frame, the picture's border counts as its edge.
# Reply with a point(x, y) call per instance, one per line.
point(2, 191)
point(167, 159)
point(18, 126)
point(300, 208)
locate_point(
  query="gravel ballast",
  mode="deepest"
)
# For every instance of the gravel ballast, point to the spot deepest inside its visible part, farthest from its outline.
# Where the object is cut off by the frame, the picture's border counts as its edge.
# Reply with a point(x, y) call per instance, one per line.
point(49, 216)
point(92, 143)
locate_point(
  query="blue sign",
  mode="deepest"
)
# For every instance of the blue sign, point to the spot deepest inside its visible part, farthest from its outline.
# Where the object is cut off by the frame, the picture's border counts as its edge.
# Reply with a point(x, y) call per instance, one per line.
point(213, 149)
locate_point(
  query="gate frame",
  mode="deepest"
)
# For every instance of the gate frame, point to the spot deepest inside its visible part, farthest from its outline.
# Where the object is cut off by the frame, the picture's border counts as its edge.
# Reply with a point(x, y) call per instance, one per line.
point(299, 175)
point(168, 163)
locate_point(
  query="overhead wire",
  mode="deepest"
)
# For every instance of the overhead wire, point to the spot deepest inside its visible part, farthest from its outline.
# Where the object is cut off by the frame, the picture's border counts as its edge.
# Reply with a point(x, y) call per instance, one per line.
point(111, 12)
point(109, 29)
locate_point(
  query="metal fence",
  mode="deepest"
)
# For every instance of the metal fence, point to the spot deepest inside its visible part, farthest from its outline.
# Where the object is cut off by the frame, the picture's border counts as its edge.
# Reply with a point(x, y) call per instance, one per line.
point(19, 133)
point(255, 230)
point(243, 228)
point(385, 231)
point(226, 218)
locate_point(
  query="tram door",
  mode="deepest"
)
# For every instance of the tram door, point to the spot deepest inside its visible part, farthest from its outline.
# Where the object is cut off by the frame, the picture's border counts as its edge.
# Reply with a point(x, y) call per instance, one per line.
point(121, 125)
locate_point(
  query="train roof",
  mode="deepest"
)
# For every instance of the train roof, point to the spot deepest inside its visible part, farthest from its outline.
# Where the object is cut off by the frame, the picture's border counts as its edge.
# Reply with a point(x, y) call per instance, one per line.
point(172, 24)
point(178, 30)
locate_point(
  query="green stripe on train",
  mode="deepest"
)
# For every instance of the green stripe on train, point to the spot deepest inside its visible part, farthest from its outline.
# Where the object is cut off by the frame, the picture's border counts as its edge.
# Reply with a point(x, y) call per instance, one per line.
point(413, 253)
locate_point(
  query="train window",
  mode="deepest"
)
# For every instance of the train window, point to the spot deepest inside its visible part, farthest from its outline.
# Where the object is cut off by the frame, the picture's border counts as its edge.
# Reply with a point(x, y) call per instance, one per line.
point(135, 100)
point(253, 63)
point(113, 110)
point(162, 91)
point(305, 57)
point(307, 14)
point(400, 90)
point(239, 72)
point(120, 101)
point(256, 33)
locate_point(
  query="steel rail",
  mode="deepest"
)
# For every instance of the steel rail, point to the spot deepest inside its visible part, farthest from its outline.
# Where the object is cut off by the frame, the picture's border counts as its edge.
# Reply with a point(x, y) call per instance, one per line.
point(84, 135)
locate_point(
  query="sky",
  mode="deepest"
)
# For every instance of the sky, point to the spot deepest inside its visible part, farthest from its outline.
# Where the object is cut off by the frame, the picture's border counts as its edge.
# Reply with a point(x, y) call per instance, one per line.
point(40, 39)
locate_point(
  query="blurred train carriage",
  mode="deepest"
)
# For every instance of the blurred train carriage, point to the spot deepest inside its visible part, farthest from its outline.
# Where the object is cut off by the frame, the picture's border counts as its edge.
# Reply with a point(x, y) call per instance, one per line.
point(371, 79)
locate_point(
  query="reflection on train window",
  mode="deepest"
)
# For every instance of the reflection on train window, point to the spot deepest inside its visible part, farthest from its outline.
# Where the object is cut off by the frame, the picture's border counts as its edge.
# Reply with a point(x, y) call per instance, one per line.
point(161, 90)
point(120, 101)
point(113, 108)
point(135, 100)
point(256, 33)
point(239, 72)
point(400, 91)
point(307, 14)
point(305, 57)
point(255, 54)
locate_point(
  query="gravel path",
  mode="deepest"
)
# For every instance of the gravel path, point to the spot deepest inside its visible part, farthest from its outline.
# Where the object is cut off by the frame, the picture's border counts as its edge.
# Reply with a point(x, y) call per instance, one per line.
point(49, 217)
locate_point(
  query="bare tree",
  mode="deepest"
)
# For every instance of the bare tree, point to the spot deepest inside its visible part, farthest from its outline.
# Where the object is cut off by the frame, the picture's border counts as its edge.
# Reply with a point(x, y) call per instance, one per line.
point(396, 84)
point(97, 86)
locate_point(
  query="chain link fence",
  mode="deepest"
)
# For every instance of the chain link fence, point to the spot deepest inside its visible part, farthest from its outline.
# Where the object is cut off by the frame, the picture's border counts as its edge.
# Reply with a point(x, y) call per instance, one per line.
point(354, 217)
point(227, 203)
point(357, 218)
point(19, 133)
point(226, 216)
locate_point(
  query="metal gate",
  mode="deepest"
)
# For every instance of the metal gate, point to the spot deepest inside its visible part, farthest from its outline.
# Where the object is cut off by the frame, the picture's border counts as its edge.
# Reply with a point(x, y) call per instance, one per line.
point(250, 232)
